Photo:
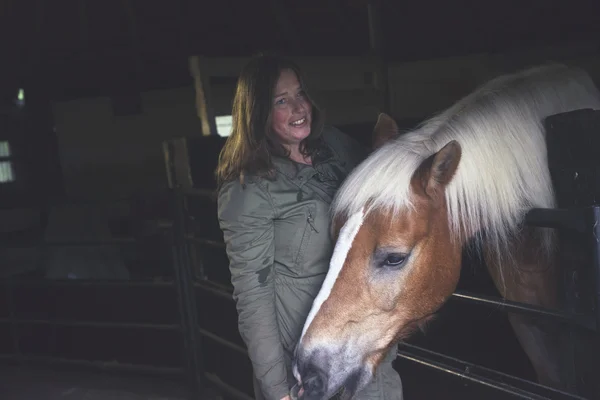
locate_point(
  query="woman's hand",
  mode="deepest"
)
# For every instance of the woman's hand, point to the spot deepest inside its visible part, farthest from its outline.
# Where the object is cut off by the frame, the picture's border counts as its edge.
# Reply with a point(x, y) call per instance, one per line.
point(295, 393)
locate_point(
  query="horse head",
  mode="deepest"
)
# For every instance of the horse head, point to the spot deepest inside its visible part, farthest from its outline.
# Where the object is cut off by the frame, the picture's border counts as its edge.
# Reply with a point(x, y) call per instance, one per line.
point(391, 270)
point(401, 218)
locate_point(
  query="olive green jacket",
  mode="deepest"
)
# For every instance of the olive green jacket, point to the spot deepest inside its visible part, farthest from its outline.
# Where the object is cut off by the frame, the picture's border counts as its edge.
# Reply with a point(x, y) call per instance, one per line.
point(277, 239)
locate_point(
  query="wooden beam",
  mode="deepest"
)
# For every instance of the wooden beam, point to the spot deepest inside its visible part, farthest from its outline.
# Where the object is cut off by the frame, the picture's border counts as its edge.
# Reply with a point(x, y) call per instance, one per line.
point(283, 21)
point(377, 44)
point(203, 100)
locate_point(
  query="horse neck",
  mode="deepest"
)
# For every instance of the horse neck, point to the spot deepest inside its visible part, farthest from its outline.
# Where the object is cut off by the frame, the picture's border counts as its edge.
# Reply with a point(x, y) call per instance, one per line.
point(529, 273)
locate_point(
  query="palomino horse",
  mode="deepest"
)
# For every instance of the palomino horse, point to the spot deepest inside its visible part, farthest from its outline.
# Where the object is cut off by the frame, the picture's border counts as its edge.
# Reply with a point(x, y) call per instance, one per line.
point(403, 216)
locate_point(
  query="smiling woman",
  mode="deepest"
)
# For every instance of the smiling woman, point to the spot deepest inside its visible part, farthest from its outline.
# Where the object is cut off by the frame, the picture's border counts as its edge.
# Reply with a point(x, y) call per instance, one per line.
point(278, 173)
point(292, 115)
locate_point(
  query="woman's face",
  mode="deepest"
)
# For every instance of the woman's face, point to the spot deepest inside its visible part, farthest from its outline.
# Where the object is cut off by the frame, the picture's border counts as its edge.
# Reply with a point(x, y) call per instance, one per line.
point(291, 113)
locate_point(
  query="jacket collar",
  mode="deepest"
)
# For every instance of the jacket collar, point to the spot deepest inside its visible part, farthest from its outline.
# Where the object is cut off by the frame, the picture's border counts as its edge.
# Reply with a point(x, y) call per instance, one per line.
point(302, 172)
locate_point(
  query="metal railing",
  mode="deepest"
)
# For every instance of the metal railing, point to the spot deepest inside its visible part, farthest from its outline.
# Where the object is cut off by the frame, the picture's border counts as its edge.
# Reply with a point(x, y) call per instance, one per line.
point(188, 327)
point(584, 221)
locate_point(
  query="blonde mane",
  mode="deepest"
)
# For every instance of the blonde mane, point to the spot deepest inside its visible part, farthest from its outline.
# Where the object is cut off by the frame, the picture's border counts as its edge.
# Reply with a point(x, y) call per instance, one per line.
point(503, 170)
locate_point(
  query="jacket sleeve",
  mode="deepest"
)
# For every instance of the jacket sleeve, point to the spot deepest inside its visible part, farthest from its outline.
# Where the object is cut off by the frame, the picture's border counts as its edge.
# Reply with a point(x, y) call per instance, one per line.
point(246, 219)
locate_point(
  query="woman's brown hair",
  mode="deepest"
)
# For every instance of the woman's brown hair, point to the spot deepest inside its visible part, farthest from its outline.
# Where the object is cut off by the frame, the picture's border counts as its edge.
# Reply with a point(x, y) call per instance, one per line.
point(249, 148)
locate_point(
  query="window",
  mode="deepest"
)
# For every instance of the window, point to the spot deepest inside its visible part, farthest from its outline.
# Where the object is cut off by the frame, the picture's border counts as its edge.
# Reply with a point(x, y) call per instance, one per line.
point(6, 167)
point(20, 98)
point(223, 123)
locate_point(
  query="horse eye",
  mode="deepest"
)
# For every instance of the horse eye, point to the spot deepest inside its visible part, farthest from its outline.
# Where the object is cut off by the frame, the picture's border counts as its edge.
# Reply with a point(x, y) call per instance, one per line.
point(394, 259)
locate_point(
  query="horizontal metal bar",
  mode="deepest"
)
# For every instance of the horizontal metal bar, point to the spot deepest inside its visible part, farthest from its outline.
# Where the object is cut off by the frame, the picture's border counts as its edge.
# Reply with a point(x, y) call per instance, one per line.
point(96, 242)
point(469, 367)
point(215, 285)
point(477, 374)
point(142, 368)
point(522, 308)
point(64, 202)
point(69, 243)
point(47, 283)
point(571, 219)
point(197, 192)
point(224, 342)
point(93, 324)
point(126, 325)
point(215, 380)
point(216, 290)
point(102, 365)
point(205, 242)
point(456, 372)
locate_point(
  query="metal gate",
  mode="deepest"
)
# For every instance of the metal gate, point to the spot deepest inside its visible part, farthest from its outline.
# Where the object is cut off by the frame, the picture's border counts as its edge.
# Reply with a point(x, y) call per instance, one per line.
point(191, 303)
point(577, 219)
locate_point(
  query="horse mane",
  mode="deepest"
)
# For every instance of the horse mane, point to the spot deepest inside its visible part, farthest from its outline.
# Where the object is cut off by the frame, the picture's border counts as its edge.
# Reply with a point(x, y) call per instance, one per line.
point(503, 170)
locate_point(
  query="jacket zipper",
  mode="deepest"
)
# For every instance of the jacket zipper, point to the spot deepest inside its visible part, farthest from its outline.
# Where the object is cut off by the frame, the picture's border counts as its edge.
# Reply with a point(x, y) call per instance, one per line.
point(311, 222)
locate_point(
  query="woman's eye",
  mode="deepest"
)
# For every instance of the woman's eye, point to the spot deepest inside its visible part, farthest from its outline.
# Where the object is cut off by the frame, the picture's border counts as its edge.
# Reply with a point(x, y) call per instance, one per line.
point(280, 101)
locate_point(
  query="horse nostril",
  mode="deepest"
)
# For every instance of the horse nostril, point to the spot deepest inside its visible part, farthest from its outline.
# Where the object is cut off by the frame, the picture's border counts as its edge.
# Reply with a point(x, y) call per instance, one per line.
point(314, 384)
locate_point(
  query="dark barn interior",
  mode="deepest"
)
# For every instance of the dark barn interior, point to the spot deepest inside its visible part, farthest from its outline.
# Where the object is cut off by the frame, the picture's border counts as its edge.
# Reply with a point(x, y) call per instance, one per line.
point(114, 281)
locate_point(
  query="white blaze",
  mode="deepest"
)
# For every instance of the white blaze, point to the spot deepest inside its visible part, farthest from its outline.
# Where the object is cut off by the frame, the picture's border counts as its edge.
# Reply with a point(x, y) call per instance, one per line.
point(340, 252)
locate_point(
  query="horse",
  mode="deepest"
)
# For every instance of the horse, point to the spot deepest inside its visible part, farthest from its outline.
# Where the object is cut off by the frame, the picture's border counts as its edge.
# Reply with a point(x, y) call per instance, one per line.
point(402, 217)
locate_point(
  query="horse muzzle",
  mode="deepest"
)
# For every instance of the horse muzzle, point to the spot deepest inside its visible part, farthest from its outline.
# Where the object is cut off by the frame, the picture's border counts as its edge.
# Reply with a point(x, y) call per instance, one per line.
point(323, 374)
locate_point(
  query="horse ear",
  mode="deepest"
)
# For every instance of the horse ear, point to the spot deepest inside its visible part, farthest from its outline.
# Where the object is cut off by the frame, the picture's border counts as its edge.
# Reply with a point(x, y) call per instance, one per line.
point(443, 167)
point(385, 129)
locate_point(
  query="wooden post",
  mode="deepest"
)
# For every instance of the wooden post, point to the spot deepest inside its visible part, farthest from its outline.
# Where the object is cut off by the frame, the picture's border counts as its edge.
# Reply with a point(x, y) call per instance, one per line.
point(202, 86)
point(177, 163)
point(378, 50)
point(83, 24)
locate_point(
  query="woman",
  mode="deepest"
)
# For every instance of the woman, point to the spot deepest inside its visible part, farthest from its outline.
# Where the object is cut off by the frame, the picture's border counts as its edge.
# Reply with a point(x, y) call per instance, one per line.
point(277, 175)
